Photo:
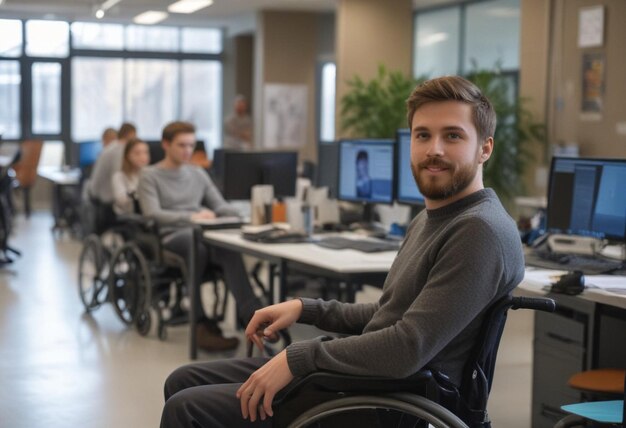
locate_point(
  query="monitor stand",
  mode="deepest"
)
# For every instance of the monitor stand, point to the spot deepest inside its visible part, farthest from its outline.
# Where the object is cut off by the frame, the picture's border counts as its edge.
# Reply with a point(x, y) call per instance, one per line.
point(368, 225)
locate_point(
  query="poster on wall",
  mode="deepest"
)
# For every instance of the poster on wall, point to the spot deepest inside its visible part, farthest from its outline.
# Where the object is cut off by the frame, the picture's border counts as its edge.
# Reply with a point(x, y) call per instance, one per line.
point(591, 27)
point(593, 83)
point(284, 115)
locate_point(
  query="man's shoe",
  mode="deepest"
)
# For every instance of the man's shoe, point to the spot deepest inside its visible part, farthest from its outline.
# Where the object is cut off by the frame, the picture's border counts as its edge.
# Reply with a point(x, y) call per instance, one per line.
point(210, 341)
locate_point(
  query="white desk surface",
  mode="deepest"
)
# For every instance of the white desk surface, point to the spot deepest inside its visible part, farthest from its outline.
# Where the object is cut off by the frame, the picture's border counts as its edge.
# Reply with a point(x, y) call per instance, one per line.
point(59, 176)
point(340, 261)
point(532, 287)
point(5, 160)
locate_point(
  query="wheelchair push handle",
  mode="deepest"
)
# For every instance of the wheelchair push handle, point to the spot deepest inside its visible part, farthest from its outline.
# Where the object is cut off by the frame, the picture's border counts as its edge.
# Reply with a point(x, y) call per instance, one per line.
point(535, 303)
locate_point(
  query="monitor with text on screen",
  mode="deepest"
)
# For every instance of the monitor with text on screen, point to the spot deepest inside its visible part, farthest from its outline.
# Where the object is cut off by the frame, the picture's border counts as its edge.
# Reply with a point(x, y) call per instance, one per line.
point(366, 170)
point(407, 191)
point(587, 197)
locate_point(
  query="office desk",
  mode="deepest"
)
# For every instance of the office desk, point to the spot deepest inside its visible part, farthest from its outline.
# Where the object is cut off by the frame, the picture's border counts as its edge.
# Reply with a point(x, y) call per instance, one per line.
point(65, 190)
point(353, 267)
point(350, 266)
point(586, 331)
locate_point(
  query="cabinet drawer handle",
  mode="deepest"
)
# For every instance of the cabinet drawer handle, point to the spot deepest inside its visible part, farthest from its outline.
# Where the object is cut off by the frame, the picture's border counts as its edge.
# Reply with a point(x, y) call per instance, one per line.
point(561, 338)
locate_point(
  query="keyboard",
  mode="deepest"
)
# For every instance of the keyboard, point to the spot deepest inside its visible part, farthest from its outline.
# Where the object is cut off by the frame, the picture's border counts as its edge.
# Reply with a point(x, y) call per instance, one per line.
point(588, 265)
point(364, 245)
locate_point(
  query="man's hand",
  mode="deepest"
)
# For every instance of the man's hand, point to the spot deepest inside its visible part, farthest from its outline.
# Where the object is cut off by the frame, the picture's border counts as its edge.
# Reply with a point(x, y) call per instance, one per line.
point(267, 322)
point(264, 384)
point(203, 214)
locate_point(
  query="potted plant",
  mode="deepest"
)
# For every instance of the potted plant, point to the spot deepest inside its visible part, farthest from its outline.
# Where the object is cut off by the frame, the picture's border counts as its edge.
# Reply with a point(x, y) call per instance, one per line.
point(376, 109)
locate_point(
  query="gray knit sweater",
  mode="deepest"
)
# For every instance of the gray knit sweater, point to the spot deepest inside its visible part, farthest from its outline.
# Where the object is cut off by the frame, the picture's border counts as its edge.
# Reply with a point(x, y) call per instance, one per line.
point(172, 195)
point(455, 262)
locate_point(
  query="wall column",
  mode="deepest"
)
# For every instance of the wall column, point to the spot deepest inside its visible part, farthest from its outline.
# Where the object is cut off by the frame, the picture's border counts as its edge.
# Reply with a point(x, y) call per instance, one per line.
point(370, 33)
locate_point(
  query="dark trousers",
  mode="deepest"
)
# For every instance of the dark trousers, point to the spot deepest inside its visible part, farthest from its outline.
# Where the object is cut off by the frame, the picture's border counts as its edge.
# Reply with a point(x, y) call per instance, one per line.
point(235, 274)
point(203, 394)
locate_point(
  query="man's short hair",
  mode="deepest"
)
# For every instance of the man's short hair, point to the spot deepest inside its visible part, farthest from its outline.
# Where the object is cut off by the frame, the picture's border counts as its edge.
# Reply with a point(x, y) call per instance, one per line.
point(361, 155)
point(455, 88)
point(126, 130)
point(172, 129)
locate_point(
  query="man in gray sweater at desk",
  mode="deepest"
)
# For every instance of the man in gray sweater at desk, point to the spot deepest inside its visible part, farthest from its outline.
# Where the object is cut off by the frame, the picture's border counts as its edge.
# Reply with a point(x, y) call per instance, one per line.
point(176, 193)
point(460, 255)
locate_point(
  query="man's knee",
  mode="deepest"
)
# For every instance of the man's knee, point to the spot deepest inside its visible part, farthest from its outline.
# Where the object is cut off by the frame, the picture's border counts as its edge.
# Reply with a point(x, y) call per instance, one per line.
point(178, 380)
point(178, 410)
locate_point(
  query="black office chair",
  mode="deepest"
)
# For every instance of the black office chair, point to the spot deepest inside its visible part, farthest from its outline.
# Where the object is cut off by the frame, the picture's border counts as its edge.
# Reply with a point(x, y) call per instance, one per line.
point(427, 397)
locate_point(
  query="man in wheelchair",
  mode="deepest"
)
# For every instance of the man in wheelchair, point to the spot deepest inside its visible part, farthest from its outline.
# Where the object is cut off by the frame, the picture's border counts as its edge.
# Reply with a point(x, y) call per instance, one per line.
point(175, 193)
point(460, 255)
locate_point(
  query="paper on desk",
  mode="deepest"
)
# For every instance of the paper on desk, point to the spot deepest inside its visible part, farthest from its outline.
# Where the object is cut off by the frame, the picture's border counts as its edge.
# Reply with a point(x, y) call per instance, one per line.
point(542, 277)
point(612, 283)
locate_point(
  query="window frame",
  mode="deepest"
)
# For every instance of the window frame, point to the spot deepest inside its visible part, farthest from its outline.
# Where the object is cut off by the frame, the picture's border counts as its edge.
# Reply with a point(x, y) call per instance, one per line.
point(26, 90)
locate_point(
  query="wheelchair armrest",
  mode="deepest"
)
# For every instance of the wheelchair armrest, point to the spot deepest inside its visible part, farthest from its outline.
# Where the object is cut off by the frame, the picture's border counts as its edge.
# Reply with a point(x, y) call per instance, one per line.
point(319, 387)
point(348, 384)
point(145, 223)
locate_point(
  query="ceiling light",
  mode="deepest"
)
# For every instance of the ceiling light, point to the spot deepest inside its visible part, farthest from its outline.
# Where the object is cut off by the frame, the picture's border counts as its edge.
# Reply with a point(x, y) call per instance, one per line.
point(99, 14)
point(188, 6)
point(150, 17)
point(109, 4)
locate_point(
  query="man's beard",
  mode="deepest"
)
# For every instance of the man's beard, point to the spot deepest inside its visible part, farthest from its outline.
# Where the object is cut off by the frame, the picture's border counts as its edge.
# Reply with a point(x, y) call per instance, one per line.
point(431, 189)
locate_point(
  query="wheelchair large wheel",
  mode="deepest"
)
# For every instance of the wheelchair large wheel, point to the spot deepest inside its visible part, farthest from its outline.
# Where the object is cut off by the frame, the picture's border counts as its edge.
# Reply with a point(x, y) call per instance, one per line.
point(424, 411)
point(92, 273)
point(129, 282)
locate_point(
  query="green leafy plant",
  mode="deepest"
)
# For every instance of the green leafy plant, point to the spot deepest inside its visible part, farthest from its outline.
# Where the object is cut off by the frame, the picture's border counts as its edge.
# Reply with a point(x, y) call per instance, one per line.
point(516, 130)
point(375, 109)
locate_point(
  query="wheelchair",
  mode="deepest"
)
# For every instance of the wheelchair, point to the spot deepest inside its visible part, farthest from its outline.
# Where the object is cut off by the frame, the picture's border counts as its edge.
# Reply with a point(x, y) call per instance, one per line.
point(122, 262)
point(427, 398)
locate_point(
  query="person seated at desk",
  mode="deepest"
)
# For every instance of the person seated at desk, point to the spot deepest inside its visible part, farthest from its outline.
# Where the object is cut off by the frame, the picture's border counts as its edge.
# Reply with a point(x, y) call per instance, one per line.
point(125, 181)
point(109, 135)
point(175, 193)
point(461, 254)
point(110, 160)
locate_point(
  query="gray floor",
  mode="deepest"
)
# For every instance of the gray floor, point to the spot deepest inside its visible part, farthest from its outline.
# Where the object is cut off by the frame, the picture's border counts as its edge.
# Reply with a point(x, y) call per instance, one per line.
point(62, 368)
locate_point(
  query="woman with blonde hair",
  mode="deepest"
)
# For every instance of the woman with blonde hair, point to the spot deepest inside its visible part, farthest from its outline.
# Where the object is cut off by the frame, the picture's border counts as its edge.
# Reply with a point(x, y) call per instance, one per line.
point(125, 181)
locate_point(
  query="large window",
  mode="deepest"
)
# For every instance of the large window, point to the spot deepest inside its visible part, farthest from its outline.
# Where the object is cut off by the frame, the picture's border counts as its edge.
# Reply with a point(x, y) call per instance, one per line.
point(11, 39)
point(460, 38)
point(47, 38)
point(437, 42)
point(97, 94)
point(201, 40)
point(151, 95)
point(201, 87)
point(499, 17)
point(142, 38)
point(88, 35)
point(327, 102)
point(10, 79)
point(149, 75)
point(46, 98)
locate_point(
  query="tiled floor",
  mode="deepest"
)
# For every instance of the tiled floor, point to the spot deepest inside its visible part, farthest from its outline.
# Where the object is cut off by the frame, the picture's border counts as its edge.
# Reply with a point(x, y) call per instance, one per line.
point(62, 368)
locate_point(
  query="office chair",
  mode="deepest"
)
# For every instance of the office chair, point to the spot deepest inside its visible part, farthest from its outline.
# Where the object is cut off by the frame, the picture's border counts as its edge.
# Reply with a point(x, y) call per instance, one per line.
point(427, 397)
point(26, 170)
point(610, 413)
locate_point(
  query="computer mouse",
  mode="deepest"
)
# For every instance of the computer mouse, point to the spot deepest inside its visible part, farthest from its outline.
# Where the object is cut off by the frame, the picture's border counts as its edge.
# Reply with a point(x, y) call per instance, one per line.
point(572, 283)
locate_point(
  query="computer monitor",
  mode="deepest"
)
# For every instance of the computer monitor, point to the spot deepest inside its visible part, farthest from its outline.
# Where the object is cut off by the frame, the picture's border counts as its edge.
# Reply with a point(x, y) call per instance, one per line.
point(328, 167)
point(586, 197)
point(407, 191)
point(235, 172)
point(85, 153)
point(366, 170)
